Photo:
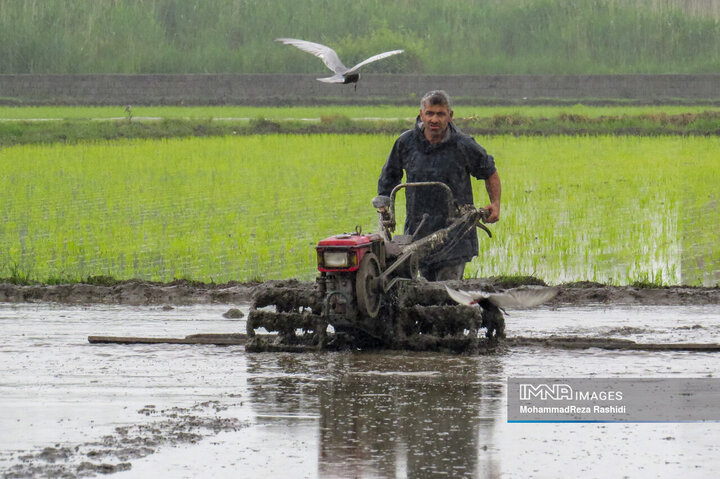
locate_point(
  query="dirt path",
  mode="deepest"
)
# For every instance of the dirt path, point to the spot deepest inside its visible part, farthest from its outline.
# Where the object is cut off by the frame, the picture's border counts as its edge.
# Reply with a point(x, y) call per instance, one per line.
point(135, 292)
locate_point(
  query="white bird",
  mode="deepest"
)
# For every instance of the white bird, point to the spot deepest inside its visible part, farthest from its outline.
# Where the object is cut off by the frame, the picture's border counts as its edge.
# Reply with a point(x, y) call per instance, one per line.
point(492, 305)
point(517, 298)
point(342, 74)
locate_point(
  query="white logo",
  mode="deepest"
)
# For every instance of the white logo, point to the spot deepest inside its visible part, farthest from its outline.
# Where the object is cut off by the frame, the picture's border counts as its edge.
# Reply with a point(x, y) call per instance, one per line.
point(545, 391)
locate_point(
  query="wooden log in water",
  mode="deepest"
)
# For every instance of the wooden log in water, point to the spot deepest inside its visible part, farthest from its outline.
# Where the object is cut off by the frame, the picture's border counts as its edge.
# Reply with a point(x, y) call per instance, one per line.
point(558, 342)
point(573, 342)
point(230, 339)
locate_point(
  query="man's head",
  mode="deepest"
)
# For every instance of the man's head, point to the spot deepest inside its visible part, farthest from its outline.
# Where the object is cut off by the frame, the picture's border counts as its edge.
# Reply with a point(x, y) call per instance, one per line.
point(436, 114)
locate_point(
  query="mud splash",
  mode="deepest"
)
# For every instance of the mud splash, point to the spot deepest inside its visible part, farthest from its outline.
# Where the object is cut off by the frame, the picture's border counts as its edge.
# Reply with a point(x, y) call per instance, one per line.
point(419, 316)
point(114, 452)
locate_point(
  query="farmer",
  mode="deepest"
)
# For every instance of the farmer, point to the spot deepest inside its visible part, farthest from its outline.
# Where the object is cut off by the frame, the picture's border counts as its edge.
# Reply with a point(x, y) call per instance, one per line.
point(436, 150)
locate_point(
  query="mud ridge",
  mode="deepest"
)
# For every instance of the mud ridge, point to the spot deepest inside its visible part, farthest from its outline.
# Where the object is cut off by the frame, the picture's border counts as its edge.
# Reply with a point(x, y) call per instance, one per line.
point(131, 292)
point(137, 292)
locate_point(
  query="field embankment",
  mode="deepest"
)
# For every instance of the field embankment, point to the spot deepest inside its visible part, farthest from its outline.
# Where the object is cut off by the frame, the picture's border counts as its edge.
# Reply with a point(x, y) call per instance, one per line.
point(141, 293)
point(373, 89)
point(701, 122)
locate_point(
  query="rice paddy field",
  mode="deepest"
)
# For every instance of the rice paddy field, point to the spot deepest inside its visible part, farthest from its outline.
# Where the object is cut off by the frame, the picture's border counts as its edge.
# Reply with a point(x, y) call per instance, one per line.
point(618, 210)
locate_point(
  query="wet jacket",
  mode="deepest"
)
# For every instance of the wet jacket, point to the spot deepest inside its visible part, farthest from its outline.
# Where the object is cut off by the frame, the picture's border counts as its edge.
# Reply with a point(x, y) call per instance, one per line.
point(451, 161)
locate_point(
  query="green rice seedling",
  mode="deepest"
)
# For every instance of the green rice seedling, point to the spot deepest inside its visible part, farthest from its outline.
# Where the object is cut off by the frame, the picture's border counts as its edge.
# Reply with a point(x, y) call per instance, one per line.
point(217, 209)
point(608, 209)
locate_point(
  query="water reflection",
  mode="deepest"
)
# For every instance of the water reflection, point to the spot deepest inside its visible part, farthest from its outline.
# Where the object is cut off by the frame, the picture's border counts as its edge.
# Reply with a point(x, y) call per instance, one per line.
point(387, 414)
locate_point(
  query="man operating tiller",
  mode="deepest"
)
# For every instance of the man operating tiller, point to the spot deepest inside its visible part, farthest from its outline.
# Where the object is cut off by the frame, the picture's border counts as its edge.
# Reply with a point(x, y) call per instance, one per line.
point(436, 150)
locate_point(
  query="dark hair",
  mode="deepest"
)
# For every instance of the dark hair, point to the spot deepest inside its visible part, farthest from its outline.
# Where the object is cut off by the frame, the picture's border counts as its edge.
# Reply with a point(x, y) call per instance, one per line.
point(436, 97)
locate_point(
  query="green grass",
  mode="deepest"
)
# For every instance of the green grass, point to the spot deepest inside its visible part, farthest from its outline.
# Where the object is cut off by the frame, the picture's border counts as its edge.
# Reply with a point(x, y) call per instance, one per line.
point(440, 37)
point(26, 125)
point(617, 210)
point(224, 113)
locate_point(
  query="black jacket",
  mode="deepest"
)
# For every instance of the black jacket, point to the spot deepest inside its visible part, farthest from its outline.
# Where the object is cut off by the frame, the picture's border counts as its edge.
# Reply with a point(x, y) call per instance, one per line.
point(452, 162)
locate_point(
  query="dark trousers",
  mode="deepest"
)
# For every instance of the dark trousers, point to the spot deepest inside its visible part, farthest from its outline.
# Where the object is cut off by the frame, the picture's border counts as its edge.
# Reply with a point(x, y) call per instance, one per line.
point(442, 272)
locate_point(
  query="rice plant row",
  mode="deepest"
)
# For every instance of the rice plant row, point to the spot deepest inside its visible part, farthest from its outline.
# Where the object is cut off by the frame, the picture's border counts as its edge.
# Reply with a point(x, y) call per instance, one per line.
point(609, 209)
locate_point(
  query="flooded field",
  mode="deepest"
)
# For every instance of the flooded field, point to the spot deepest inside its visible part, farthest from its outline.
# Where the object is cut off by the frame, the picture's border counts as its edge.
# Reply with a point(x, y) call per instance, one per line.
point(69, 408)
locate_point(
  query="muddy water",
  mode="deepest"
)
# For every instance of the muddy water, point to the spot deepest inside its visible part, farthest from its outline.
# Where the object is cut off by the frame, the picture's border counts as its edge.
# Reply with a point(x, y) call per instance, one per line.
point(69, 408)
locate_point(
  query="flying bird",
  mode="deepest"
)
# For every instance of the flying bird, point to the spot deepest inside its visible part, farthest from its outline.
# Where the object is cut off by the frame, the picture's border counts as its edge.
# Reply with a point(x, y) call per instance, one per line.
point(342, 74)
point(492, 305)
point(517, 298)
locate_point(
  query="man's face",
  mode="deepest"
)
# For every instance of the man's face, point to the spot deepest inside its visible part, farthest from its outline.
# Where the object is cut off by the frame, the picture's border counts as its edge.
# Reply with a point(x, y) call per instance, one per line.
point(435, 118)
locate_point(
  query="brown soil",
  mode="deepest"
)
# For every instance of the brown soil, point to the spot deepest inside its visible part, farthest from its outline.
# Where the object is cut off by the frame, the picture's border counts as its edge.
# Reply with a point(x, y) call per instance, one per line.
point(136, 292)
point(132, 292)
point(589, 294)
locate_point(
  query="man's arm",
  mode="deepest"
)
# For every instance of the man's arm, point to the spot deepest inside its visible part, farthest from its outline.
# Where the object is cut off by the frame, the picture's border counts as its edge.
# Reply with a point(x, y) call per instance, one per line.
point(481, 166)
point(494, 190)
point(392, 171)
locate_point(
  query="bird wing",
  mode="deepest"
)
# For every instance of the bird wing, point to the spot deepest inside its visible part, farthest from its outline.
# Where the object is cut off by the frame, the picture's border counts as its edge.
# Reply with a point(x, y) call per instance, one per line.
point(466, 297)
point(326, 54)
point(518, 298)
point(339, 78)
point(373, 58)
point(522, 298)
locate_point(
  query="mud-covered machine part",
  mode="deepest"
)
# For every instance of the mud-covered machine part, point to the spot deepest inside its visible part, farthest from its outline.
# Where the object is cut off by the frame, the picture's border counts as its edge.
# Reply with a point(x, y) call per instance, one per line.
point(368, 293)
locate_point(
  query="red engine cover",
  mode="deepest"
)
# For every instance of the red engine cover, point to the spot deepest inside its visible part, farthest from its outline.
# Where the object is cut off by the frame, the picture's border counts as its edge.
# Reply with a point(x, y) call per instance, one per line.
point(349, 240)
point(356, 246)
